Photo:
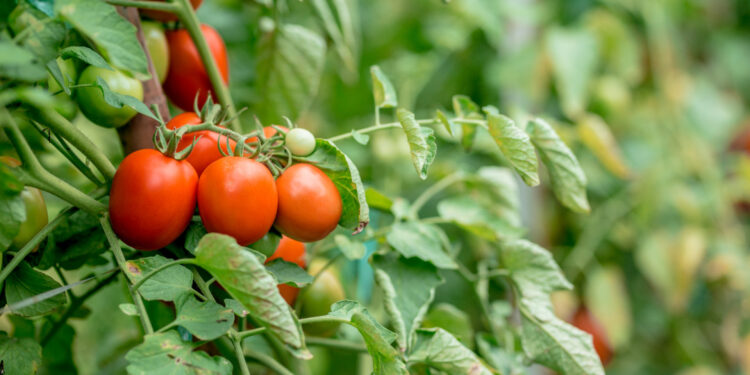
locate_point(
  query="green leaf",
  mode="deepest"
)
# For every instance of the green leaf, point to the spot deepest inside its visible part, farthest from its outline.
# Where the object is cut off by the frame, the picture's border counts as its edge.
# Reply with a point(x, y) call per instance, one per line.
point(167, 285)
point(421, 142)
point(465, 108)
point(567, 177)
point(382, 89)
point(20, 356)
point(193, 235)
point(246, 279)
point(289, 273)
point(361, 138)
point(128, 309)
point(85, 54)
point(205, 320)
point(409, 287)
point(25, 282)
point(453, 320)
point(341, 170)
point(113, 35)
point(166, 353)
point(415, 239)
point(516, 145)
point(499, 358)
point(290, 64)
point(378, 200)
point(477, 218)
point(118, 100)
point(12, 213)
point(574, 56)
point(340, 28)
point(443, 119)
point(80, 250)
point(236, 307)
point(385, 358)
point(352, 250)
point(18, 63)
point(438, 349)
point(43, 35)
point(57, 353)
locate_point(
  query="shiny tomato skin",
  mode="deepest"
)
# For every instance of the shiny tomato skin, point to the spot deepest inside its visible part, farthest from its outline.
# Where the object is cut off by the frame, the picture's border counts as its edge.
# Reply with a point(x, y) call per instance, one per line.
point(291, 251)
point(585, 321)
point(36, 210)
point(237, 197)
point(91, 99)
point(187, 76)
point(309, 203)
point(152, 199)
point(206, 149)
point(166, 16)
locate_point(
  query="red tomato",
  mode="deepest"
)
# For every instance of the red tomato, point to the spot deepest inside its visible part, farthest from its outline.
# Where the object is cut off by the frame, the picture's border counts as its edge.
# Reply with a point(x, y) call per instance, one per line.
point(585, 321)
point(166, 16)
point(206, 150)
point(309, 204)
point(187, 77)
point(291, 251)
point(237, 197)
point(152, 199)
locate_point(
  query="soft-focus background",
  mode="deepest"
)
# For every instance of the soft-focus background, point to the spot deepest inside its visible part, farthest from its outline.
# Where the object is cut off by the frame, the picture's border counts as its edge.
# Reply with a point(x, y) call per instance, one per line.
point(651, 95)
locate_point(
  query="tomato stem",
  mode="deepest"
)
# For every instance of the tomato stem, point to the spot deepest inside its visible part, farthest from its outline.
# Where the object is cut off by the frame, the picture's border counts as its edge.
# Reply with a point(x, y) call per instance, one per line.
point(269, 362)
point(187, 16)
point(237, 343)
point(114, 244)
point(432, 191)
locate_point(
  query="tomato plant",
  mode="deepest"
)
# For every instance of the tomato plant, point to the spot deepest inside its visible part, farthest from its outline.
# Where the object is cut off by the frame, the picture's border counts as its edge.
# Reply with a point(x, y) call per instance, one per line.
point(480, 187)
point(187, 78)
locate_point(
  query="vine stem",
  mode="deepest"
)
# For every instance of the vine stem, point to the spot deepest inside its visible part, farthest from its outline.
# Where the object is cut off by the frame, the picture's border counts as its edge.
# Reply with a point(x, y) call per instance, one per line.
point(39, 177)
point(433, 190)
point(237, 343)
point(314, 319)
point(269, 362)
point(159, 269)
point(336, 344)
point(187, 16)
point(59, 124)
point(155, 5)
point(114, 244)
point(375, 128)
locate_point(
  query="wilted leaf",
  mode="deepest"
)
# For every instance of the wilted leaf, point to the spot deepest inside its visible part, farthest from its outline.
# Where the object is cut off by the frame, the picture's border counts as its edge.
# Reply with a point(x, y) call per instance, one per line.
point(568, 180)
point(421, 142)
point(409, 288)
point(245, 278)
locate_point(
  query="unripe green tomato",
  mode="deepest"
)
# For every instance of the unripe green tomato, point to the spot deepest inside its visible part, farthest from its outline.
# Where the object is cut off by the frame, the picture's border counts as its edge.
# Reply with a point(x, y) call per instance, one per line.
point(300, 142)
point(317, 299)
point(158, 49)
point(91, 100)
point(36, 210)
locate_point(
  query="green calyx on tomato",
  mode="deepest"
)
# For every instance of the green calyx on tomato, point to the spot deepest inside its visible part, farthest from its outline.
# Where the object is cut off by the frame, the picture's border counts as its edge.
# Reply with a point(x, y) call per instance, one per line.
point(317, 298)
point(158, 49)
point(91, 99)
point(206, 148)
point(309, 203)
point(237, 197)
point(35, 208)
point(152, 199)
point(187, 79)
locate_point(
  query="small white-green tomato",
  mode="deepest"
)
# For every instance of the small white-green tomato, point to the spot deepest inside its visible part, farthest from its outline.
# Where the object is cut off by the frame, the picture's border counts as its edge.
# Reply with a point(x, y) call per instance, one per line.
point(300, 142)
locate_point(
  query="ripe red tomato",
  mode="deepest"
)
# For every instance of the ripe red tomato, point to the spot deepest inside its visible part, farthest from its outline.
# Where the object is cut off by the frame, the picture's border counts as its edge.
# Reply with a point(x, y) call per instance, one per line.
point(585, 321)
point(152, 199)
point(309, 204)
point(187, 77)
point(166, 16)
point(237, 197)
point(291, 251)
point(206, 150)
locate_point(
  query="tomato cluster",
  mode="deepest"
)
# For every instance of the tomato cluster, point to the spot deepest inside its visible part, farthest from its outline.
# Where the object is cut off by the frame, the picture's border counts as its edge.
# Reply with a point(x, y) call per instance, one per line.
point(153, 196)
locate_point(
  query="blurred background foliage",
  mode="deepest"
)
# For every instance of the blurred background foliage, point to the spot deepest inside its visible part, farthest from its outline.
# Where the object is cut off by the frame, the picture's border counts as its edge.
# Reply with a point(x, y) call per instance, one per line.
point(651, 96)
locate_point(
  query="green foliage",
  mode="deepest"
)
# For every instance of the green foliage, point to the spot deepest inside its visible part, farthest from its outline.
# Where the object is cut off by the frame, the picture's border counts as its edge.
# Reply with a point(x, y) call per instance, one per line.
point(167, 353)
